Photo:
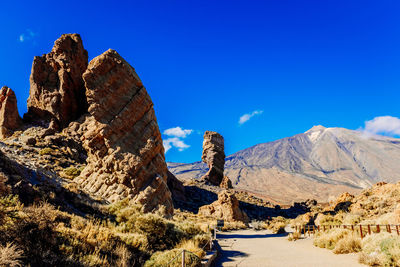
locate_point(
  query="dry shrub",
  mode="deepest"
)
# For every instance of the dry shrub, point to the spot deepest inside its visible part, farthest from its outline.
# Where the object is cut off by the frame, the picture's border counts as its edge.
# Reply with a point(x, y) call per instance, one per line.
point(350, 243)
point(160, 233)
point(330, 238)
point(277, 225)
point(234, 225)
point(294, 236)
point(192, 246)
point(124, 256)
point(382, 248)
point(351, 219)
point(172, 258)
point(259, 225)
point(136, 240)
point(371, 259)
point(10, 255)
point(279, 228)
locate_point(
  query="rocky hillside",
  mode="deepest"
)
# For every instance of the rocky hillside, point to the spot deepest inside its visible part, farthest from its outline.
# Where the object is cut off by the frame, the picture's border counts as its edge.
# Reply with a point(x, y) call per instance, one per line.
point(320, 163)
point(91, 125)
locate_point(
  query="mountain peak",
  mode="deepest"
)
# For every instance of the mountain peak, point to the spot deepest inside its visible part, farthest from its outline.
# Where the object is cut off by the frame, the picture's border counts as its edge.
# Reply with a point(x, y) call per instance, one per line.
point(316, 128)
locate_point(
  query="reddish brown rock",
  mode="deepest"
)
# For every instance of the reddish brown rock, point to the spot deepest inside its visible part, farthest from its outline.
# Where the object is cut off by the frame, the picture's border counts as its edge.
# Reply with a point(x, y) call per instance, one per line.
point(57, 89)
point(226, 183)
point(9, 117)
point(214, 156)
point(226, 207)
point(122, 138)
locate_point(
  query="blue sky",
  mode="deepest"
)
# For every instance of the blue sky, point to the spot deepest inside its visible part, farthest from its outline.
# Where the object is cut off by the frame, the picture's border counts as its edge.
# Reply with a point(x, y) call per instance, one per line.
point(289, 65)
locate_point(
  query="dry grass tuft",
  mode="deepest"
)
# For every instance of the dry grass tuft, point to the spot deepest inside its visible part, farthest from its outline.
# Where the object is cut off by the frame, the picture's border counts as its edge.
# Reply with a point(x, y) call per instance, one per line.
point(10, 255)
point(172, 258)
point(381, 249)
point(192, 246)
point(350, 243)
point(330, 238)
point(235, 225)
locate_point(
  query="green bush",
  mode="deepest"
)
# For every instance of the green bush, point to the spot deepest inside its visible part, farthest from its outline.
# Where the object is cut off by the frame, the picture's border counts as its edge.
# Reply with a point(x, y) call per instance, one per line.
point(46, 151)
point(72, 172)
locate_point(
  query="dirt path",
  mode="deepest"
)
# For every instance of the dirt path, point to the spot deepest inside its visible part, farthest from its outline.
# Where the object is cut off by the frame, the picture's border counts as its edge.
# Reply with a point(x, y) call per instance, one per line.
point(259, 248)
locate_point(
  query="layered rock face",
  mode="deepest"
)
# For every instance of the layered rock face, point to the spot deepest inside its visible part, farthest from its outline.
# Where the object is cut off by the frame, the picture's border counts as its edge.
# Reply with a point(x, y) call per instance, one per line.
point(122, 138)
point(226, 207)
point(9, 117)
point(57, 90)
point(214, 156)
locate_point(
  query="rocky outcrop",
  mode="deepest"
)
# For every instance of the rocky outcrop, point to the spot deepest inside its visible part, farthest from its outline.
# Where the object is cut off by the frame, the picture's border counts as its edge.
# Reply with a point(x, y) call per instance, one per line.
point(226, 207)
point(176, 187)
point(57, 90)
point(342, 203)
point(122, 138)
point(9, 117)
point(226, 183)
point(214, 156)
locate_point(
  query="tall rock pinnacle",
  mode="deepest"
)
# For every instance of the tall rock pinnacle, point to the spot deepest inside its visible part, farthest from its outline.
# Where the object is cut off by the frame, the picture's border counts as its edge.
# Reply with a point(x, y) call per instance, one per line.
point(125, 151)
point(214, 156)
point(9, 117)
point(57, 90)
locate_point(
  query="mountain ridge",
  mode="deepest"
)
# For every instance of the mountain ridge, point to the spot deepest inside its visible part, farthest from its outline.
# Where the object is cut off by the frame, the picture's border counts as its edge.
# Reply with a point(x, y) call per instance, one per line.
point(319, 163)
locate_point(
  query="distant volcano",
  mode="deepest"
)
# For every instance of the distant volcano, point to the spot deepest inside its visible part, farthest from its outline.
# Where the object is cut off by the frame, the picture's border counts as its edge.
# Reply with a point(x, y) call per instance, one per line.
point(320, 163)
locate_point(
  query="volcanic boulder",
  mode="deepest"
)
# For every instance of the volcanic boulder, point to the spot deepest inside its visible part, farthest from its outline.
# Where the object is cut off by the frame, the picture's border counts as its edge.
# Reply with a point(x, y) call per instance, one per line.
point(214, 156)
point(122, 138)
point(9, 117)
point(226, 207)
point(57, 90)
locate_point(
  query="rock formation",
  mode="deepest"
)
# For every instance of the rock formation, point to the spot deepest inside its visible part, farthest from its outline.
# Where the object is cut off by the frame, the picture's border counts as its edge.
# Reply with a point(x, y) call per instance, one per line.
point(9, 117)
point(176, 187)
point(226, 183)
point(214, 156)
point(226, 207)
point(122, 138)
point(57, 90)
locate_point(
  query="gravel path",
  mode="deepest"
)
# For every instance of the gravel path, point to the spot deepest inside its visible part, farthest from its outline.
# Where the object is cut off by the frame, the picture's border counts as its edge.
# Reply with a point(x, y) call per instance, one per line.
point(260, 248)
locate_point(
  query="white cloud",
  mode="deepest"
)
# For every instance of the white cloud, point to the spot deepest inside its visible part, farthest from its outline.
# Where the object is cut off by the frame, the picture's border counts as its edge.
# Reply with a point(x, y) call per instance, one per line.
point(176, 141)
point(178, 132)
point(386, 125)
point(26, 36)
point(248, 116)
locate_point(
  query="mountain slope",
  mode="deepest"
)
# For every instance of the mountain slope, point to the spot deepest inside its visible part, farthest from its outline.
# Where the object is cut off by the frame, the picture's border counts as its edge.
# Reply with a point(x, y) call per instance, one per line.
point(320, 163)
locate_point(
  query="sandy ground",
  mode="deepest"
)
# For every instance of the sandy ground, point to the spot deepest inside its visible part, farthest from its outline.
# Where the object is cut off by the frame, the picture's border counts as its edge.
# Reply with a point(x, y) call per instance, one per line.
point(260, 248)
